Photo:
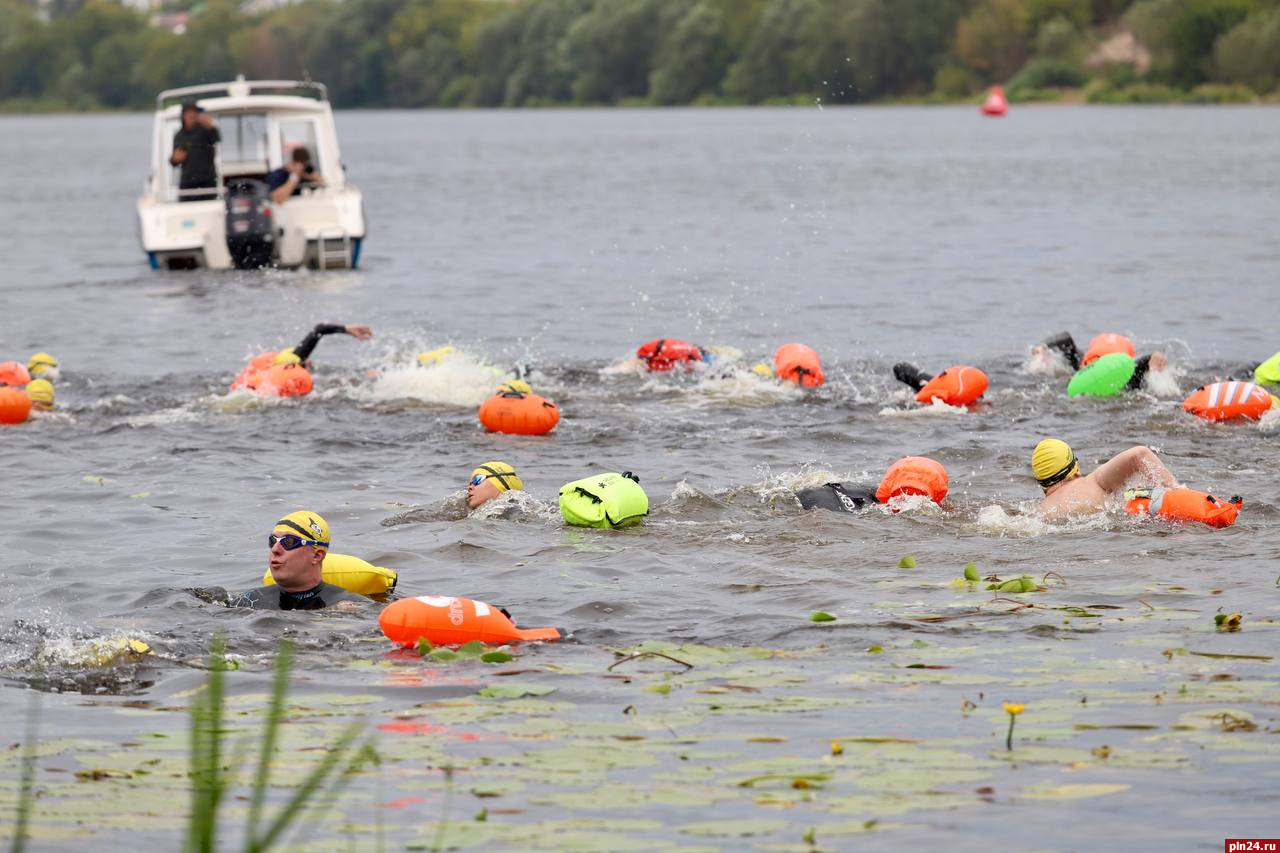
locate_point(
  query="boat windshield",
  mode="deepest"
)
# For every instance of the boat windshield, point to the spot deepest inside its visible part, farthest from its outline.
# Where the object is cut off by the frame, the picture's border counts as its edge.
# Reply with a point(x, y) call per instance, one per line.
point(244, 137)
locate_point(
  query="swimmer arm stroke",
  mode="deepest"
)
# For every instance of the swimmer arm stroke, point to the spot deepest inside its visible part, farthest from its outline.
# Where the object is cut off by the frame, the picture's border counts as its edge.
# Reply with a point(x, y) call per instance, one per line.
point(1112, 475)
point(303, 350)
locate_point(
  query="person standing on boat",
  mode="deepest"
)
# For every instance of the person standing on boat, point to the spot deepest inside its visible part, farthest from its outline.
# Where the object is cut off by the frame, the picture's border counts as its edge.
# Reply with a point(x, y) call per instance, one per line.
point(194, 151)
point(285, 181)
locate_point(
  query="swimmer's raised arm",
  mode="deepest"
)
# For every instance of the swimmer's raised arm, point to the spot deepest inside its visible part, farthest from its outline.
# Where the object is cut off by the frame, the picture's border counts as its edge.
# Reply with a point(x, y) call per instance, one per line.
point(303, 350)
point(1112, 475)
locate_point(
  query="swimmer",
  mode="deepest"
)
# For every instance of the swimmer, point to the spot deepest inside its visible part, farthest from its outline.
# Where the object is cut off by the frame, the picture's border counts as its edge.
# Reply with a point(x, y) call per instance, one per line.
point(43, 366)
point(1065, 346)
point(490, 480)
point(301, 354)
point(41, 393)
point(911, 475)
point(1067, 492)
point(298, 544)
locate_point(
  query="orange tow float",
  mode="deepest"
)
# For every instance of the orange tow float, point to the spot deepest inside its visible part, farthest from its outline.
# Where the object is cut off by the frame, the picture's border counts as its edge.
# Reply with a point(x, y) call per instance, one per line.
point(955, 386)
point(996, 103)
point(665, 354)
point(13, 373)
point(1183, 505)
point(799, 364)
point(270, 379)
point(518, 412)
point(1224, 401)
point(444, 620)
point(1106, 344)
point(15, 405)
point(914, 475)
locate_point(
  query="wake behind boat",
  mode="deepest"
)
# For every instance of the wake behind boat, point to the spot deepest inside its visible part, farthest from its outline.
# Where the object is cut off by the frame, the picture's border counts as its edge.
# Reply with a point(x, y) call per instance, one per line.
point(214, 207)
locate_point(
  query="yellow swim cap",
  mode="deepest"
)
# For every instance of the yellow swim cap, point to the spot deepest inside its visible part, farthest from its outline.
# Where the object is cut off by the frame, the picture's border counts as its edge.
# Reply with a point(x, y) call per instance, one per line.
point(502, 474)
point(435, 356)
point(515, 386)
point(763, 369)
point(287, 356)
point(41, 393)
point(307, 524)
point(1052, 462)
point(40, 362)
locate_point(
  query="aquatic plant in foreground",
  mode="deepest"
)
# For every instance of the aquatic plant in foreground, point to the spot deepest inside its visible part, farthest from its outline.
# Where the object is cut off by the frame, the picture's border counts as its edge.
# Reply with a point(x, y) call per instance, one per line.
point(211, 772)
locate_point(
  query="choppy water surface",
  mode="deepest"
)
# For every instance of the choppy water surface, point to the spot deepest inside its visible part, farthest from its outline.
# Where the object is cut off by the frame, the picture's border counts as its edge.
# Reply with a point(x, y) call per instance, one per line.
point(561, 240)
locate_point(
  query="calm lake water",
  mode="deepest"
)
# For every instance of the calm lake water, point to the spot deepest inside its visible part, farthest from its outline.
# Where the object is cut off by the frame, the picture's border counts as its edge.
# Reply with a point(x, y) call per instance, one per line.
point(561, 240)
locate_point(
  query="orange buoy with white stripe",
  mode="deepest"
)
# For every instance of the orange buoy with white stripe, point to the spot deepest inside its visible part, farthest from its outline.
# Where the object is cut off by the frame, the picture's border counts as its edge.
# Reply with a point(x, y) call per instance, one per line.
point(517, 413)
point(1106, 344)
point(446, 621)
point(955, 386)
point(914, 475)
point(799, 364)
point(996, 103)
point(664, 354)
point(13, 373)
point(15, 405)
point(1183, 505)
point(1224, 401)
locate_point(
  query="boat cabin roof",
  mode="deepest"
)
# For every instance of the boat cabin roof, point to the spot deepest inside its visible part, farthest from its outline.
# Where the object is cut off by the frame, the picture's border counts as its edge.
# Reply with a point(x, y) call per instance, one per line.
point(286, 93)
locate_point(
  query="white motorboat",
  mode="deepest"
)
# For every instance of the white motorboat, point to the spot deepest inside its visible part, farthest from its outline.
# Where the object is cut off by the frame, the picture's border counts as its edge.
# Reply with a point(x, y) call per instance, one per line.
point(261, 122)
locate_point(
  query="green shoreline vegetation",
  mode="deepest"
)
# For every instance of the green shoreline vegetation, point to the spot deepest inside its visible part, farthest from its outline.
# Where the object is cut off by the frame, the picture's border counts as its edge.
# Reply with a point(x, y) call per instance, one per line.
point(83, 55)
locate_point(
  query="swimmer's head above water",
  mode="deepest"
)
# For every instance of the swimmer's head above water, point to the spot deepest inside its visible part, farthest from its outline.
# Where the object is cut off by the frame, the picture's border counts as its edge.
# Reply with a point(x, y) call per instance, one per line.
point(1053, 462)
point(43, 365)
point(298, 544)
point(490, 480)
point(41, 393)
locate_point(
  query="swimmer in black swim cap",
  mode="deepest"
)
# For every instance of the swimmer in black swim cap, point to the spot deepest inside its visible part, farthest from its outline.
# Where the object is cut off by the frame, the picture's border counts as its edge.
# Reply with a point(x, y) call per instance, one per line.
point(298, 545)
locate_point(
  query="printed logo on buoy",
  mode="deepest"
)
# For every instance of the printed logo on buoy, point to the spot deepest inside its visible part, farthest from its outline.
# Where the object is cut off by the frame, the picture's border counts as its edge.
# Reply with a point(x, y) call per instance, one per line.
point(455, 612)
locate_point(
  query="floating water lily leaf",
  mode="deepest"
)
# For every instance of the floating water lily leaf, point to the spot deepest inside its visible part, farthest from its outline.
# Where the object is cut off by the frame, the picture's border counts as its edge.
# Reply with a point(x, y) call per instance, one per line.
point(1071, 792)
point(907, 562)
point(514, 690)
point(733, 828)
point(820, 616)
point(496, 657)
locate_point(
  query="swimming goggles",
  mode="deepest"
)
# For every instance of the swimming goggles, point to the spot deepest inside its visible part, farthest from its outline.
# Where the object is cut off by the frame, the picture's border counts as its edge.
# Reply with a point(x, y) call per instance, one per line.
point(289, 542)
point(480, 478)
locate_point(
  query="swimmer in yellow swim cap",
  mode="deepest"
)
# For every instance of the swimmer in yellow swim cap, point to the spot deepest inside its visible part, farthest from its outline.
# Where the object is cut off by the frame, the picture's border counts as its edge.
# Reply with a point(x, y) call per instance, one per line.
point(515, 386)
point(41, 393)
point(297, 546)
point(490, 480)
point(431, 358)
point(43, 366)
point(1068, 492)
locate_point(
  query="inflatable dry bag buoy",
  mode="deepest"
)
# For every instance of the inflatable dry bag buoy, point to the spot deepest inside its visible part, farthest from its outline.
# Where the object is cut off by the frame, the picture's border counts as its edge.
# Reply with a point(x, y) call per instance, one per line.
point(996, 103)
point(604, 500)
point(664, 354)
point(517, 413)
point(270, 379)
point(1183, 505)
point(955, 386)
point(352, 574)
point(1223, 401)
point(1268, 373)
point(1106, 344)
point(914, 475)
point(13, 373)
point(1106, 376)
point(799, 364)
point(15, 406)
point(446, 621)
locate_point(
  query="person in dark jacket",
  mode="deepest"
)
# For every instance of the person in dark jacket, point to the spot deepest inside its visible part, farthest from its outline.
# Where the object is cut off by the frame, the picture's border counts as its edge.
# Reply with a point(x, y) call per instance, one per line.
point(195, 152)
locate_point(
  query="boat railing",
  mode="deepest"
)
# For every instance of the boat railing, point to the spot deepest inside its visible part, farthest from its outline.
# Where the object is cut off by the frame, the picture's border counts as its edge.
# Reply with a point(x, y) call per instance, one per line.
point(243, 88)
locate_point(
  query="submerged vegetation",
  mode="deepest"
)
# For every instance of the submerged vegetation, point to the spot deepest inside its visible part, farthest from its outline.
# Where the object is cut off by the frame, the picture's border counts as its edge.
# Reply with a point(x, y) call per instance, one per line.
point(489, 53)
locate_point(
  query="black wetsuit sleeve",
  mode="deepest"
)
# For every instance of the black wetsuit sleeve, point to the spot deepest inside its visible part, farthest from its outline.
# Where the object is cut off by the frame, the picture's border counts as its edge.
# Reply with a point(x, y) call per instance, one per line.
point(837, 497)
point(1140, 368)
point(303, 350)
point(910, 375)
point(1066, 345)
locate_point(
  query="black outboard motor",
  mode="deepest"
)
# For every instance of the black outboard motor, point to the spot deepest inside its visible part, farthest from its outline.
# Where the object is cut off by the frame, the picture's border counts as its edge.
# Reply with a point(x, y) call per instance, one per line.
point(250, 232)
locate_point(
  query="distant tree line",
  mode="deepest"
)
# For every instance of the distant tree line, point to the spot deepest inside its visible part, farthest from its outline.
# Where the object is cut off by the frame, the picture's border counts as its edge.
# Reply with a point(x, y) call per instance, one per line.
point(92, 54)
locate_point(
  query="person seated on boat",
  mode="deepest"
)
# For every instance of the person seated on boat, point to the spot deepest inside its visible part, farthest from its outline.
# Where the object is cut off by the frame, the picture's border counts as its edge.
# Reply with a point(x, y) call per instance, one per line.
point(1067, 492)
point(301, 354)
point(1064, 346)
point(490, 480)
point(287, 180)
point(194, 150)
point(297, 547)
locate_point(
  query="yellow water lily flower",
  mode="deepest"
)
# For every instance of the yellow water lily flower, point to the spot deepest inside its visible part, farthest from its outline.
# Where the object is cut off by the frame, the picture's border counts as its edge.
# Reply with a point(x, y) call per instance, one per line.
point(1014, 709)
